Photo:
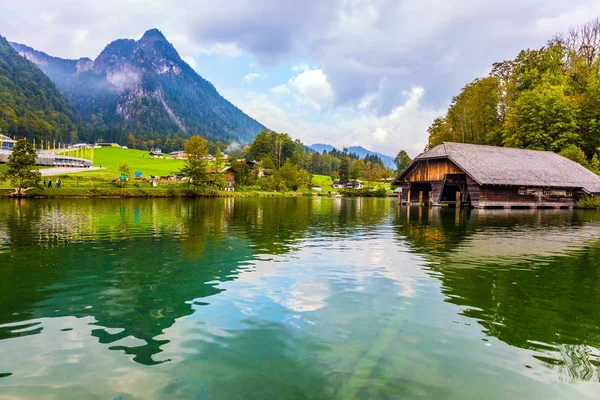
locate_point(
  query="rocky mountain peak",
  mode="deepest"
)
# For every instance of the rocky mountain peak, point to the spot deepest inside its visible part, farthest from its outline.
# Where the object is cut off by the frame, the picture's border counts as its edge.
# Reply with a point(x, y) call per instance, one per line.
point(153, 35)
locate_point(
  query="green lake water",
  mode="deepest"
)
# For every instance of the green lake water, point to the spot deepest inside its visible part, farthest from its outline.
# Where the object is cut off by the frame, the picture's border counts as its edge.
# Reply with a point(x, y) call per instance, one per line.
point(296, 298)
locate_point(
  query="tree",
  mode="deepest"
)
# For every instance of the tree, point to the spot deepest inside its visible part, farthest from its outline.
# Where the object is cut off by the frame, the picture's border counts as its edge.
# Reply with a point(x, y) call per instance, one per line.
point(125, 169)
point(357, 169)
point(344, 169)
point(574, 153)
point(370, 172)
point(594, 164)
point(242, 172)
point(131, 141)
point(218, 180)
point(20, 165)
point(196, 150)
point(402, 161)
point(288, 173)
point(544, 118)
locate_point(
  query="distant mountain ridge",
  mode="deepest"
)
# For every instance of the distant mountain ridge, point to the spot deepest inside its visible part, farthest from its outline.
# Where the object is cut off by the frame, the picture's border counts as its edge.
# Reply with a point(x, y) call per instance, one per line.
point(145, 88)
point(388, 161)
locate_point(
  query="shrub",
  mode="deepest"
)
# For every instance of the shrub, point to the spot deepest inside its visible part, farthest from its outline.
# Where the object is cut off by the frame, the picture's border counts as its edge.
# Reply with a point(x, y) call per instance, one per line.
point(589, 202)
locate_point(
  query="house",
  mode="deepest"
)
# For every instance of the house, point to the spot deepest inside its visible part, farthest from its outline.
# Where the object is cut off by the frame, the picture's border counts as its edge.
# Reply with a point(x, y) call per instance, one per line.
point(155, 152)
point(349, 184)
point(338, 184)
point(6, 143)
point(254, 166)
point(354, 184)
point(489, 177)
point(229, 175)
point(102, 144)
point(178, 155)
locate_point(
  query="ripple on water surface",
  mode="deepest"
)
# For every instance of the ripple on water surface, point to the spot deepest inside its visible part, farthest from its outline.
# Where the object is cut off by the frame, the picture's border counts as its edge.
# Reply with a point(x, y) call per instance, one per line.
point(296, 298)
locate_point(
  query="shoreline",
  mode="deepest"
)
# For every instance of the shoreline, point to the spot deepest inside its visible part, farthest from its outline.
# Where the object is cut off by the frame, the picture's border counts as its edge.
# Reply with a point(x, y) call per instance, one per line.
point(162, 192)
point(107, 193)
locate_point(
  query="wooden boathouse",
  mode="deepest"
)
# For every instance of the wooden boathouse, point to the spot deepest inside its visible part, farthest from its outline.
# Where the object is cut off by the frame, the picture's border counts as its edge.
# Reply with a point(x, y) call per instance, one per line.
point(459, 174)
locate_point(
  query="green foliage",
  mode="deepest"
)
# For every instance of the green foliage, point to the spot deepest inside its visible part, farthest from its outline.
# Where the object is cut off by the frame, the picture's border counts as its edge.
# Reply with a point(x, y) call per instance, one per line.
point(196, 165)
point(357, 169)
point(30, 105)
point(20, 165)
point(344, 169)
point(125, 169)
point(243, 175)
point(594, 164)
point(589, 202)
point(545, 99)
point(543, 118)
point(574, 153)
point(402, 161)
point(277, 146)
point(217, 180)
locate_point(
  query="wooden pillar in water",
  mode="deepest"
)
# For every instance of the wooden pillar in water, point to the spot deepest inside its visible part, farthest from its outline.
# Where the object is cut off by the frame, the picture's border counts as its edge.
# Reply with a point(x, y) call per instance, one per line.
point(399, 198)
point(421, 198)
point(408, 197)
point(458, 203)
point(431, 197)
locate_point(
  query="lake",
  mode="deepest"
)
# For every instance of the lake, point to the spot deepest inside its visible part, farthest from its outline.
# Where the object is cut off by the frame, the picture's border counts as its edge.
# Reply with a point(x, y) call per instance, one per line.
point(296, 298)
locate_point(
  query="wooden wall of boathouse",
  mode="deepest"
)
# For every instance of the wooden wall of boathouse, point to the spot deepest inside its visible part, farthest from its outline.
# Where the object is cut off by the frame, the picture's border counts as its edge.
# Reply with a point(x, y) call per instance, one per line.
point(529, 197)
point(432, 170)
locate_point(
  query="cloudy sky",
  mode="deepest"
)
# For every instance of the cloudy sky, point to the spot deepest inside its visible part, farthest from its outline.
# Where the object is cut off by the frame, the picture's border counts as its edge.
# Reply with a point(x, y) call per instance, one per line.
point(345, 72)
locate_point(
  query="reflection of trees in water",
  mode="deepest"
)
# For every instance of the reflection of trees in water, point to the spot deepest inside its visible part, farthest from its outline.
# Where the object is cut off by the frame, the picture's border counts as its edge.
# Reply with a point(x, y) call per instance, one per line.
point(530, 279)
point(137, 264)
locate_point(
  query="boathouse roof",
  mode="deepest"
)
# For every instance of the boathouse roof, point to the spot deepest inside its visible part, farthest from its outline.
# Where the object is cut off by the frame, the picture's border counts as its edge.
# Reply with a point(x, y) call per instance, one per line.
point(491, 165)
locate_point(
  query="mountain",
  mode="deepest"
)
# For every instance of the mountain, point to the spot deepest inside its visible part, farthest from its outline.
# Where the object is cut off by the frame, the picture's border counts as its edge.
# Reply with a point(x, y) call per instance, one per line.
point(145, 88)
point(388, 161)
point(320, 147)
point(30, 104)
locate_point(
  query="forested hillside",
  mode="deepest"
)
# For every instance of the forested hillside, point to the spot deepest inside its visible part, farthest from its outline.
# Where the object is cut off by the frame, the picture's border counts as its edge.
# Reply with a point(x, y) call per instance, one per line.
point(30, 104)
point(545, 99)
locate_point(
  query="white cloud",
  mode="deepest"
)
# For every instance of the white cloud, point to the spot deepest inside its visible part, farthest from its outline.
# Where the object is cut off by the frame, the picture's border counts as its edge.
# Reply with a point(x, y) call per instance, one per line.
point(404, 128)
point(280, 90)
point(301, 67)
point(191, 62)
point(248, 78)
point(259, 107)
point(314, 87)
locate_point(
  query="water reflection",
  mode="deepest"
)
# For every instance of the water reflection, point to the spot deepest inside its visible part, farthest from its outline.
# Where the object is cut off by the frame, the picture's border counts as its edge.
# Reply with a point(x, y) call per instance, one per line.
point(296, 298)
point(530, 279)
point(136, 265)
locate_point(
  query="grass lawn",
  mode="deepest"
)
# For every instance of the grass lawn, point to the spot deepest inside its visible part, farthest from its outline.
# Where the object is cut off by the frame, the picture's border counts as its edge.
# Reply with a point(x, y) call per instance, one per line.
point(324, 181)
point(139, 160)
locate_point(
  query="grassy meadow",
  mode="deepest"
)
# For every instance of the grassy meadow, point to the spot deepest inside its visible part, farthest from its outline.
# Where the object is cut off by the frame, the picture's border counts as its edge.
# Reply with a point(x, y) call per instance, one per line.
point(104, 182)
point(109, 159)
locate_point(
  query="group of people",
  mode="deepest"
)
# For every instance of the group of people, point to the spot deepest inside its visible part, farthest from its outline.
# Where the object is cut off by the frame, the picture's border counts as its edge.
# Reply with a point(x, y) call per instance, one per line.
point(57, 183)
